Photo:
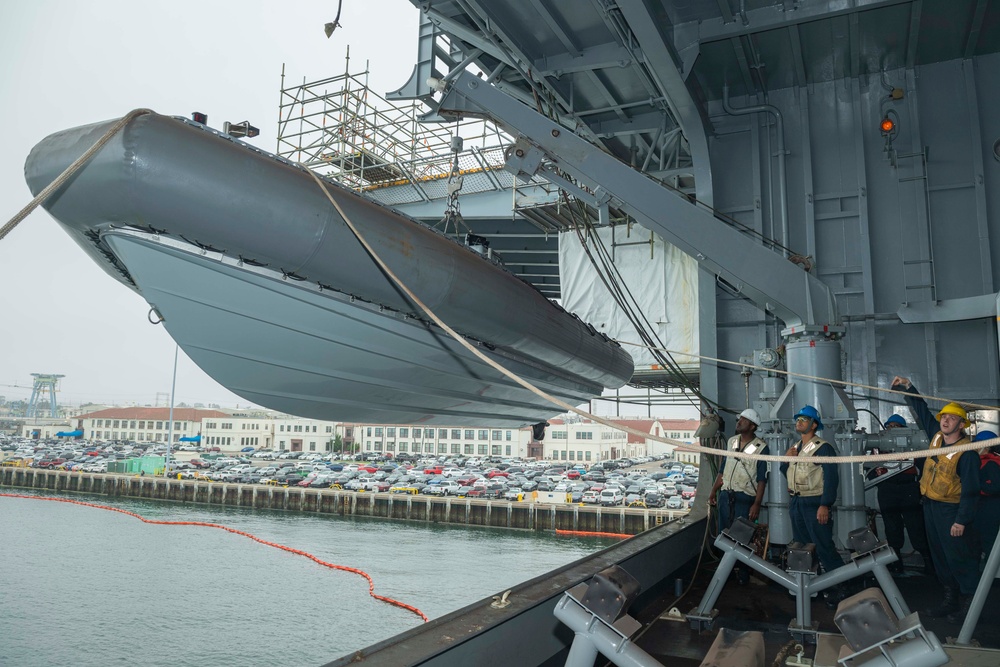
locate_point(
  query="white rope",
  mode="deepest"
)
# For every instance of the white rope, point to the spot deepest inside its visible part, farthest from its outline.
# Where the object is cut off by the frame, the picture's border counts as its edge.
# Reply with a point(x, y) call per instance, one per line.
point(69, 171)
point(814, 377)
point(895, 456)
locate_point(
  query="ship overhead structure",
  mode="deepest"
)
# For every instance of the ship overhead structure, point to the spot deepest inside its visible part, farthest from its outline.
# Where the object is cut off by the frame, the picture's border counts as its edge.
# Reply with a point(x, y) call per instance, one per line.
point(828, 167)
point(833, 169)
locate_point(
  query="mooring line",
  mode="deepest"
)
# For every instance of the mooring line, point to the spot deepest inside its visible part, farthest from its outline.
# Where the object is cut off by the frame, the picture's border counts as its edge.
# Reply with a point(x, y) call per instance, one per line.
point(235, 531)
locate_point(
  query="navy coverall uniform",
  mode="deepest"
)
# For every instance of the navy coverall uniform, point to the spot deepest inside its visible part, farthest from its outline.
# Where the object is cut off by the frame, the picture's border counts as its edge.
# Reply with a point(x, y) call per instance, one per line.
point(806, 499)
point(950, 489)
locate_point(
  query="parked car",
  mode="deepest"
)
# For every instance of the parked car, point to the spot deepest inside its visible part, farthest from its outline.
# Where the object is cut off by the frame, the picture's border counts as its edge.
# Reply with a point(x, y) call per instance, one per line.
point(591, 497)
point(611, 496)
point(675, 503)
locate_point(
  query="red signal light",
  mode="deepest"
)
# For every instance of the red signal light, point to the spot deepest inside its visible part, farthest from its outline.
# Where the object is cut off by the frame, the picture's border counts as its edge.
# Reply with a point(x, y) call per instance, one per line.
point(887, 125)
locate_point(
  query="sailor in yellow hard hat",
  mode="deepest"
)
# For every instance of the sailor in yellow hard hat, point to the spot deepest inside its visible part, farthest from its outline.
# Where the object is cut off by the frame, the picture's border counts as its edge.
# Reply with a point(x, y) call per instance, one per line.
point(949, 485)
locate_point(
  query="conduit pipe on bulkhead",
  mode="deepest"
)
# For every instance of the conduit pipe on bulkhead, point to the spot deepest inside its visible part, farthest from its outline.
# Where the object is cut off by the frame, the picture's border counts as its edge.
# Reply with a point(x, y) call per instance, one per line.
point(780, 130)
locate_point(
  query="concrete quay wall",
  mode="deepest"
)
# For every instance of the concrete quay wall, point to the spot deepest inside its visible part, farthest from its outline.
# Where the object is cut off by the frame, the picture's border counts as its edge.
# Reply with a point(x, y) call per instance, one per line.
point(525, 515)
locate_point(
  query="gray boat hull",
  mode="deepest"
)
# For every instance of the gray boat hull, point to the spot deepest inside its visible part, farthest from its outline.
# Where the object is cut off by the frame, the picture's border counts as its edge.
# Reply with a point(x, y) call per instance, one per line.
point(178, 180)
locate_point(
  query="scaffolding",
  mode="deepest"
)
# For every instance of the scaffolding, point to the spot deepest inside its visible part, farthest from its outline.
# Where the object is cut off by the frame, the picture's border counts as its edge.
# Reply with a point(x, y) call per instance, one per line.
point(340, 128)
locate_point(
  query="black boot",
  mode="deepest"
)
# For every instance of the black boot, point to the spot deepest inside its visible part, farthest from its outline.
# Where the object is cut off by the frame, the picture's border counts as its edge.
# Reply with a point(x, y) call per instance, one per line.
point(948, 605)
point(834, 596)
point(958, 616)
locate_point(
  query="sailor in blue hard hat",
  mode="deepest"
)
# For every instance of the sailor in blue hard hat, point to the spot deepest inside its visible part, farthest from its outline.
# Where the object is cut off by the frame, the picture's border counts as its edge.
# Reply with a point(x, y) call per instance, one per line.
point(899, 505)
point(813, 490)
point(895, 421)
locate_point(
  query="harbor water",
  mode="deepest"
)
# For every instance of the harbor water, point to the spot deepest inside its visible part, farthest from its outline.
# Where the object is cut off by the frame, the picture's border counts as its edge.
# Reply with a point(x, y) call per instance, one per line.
point(89, 587)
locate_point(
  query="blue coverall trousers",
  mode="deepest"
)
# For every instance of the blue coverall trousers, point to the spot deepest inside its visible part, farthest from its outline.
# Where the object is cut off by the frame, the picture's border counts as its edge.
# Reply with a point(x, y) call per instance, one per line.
point(806, 529)
point(956, 559)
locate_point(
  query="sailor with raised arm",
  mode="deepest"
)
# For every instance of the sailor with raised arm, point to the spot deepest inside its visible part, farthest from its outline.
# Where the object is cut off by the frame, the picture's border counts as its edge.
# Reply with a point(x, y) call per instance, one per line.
point(949, 485)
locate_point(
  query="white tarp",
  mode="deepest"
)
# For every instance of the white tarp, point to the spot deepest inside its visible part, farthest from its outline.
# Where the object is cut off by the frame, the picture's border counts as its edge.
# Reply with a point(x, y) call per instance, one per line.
point(662, 279)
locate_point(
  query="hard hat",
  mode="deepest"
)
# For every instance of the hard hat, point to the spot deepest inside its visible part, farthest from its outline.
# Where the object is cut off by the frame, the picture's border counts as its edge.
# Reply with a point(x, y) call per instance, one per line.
point(812, 413)
point(751, 415)
point(954, 409)
point(985, 435)
point(895, 419)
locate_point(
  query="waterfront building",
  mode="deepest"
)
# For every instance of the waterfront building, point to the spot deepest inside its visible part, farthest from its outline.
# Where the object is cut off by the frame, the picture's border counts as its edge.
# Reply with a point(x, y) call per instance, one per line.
point(42, 428)
point(233, 432)
point(297, 434)
point(143, 424)
point(442, 441)
point(575, 440)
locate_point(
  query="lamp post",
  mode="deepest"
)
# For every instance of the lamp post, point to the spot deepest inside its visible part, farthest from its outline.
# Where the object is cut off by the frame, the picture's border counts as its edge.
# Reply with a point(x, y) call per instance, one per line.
point(170, 426)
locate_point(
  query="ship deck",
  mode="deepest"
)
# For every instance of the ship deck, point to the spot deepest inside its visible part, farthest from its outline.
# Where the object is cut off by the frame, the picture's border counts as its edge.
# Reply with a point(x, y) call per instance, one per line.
point(768, 608)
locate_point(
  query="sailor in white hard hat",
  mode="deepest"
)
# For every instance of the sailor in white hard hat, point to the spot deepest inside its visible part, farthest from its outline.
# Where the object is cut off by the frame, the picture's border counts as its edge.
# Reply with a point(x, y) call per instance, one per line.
point(740, 483)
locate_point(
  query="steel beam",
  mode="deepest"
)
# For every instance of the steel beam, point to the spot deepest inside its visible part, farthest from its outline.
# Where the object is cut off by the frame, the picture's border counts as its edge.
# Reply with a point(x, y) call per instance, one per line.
point(774, 284)
point(661, 63)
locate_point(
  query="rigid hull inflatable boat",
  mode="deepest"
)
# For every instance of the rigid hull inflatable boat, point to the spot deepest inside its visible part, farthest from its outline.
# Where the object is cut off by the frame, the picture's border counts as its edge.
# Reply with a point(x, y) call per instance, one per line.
point(259, 279)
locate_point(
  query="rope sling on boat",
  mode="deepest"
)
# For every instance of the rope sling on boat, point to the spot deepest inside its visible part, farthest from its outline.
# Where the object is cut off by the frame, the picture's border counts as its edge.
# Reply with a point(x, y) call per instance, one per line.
point(683, 446)
point(228, 529)
point(70, 170)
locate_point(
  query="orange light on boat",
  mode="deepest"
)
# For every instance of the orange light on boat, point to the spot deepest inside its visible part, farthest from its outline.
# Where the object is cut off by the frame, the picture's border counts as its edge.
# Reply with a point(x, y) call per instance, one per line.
point(887, 125)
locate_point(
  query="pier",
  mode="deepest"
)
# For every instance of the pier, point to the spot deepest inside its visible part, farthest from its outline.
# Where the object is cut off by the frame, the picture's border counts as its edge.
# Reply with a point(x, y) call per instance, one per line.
point(523, 515)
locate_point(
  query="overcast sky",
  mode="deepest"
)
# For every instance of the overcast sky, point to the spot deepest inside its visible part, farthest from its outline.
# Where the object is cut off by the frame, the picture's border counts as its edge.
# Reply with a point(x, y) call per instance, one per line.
point(71, 63)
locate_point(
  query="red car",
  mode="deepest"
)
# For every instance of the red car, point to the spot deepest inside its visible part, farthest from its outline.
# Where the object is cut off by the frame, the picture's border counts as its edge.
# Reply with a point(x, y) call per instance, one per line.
point(433, 471)
point(497, 473)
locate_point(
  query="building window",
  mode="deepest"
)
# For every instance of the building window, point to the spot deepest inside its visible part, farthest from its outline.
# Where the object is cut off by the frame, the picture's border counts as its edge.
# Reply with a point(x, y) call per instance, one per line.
point(329, 429)
point(495, 449)
point(348, 432)
point(484, 434)
point(378, 432)
point(405, 433)
point(312, 446)
point(470, 434)
point(469, 448)
point(390, 432)
point(558, 435)
point(115, 424)
point(497, 435)
point(456, 434)
point(572, 455)
point(584, 435)
point(442, 433)
point(443, 448)
point(369, 434)
point(428, 434)
point(378, 446)
point(159, 425)
point(484, 449)
point(403, 446)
